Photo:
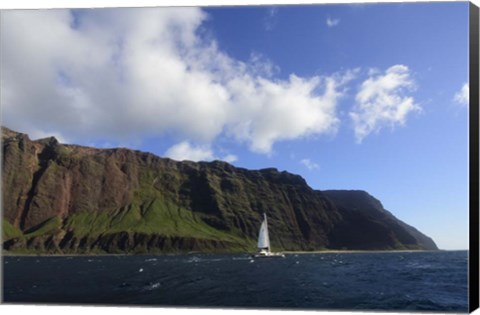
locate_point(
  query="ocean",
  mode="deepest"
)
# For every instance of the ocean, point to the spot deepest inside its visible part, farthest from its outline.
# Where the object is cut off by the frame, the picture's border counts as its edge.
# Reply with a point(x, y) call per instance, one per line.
point(392, 281)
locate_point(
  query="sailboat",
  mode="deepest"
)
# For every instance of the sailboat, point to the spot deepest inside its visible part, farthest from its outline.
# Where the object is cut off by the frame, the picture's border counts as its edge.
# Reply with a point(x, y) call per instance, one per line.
point(263, 243)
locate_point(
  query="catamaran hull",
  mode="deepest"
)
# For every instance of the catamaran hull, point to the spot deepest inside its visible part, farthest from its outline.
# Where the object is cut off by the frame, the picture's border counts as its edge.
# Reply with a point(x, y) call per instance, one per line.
point(271, 255)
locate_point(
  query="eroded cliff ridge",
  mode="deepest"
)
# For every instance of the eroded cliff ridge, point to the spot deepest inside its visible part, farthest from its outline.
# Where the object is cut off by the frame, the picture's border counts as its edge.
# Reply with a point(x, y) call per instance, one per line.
point(61, 198)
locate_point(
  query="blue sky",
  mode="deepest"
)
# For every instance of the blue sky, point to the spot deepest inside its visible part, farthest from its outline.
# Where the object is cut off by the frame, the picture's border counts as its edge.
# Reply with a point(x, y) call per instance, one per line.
point(370, 96)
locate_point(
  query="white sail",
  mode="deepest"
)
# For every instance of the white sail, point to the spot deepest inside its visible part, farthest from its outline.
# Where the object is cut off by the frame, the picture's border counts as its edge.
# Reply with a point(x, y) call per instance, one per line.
point(263, 239)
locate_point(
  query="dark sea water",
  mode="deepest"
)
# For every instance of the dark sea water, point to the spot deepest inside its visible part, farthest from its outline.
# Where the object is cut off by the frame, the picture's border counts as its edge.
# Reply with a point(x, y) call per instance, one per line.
point(423, 281)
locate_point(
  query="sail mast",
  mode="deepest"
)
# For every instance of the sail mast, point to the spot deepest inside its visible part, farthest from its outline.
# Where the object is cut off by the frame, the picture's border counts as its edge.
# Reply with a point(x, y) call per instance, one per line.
point(266, 232)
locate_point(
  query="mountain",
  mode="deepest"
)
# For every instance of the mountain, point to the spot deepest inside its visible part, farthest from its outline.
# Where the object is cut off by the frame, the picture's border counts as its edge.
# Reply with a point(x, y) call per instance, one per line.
point(60, 198)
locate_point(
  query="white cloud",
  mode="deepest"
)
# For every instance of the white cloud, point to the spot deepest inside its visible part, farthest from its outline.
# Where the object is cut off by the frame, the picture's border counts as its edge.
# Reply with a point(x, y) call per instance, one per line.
point(270, 20)
point(309, 164)
point(382, 101)
point(261, 66)
point(230, 158)
point(462, 96)
point(270, 111)
point(332, 22)
point(121, 74)
point(185, 151)
point(36, 134)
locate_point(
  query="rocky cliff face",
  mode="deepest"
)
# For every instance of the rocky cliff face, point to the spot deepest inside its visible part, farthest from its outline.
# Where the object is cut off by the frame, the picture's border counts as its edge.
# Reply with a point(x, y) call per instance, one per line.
point(71, 199)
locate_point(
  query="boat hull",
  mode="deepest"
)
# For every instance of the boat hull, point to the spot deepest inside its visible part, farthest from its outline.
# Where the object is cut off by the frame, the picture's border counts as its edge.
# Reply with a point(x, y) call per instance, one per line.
point(269, 255)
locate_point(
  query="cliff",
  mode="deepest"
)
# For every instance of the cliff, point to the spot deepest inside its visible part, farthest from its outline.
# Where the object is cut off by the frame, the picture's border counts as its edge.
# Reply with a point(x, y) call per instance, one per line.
point(71, 199)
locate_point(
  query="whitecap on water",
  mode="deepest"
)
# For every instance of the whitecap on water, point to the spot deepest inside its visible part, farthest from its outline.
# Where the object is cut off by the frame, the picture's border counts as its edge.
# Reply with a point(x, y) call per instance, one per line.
point(417, 265)
point(152, 285)
point(241, 258)
point(151, 259)
point(193, 260)
point(204, 260)
point(140, 270)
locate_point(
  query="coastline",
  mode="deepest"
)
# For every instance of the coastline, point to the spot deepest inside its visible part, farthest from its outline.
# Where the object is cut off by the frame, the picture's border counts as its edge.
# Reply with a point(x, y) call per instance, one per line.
point(356, 251)
point(10, 254)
